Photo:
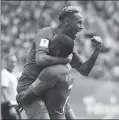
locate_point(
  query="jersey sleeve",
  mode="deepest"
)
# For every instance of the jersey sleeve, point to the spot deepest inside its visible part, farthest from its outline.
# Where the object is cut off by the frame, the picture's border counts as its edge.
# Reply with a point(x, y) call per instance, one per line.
point(42, 40)
point(4, 79)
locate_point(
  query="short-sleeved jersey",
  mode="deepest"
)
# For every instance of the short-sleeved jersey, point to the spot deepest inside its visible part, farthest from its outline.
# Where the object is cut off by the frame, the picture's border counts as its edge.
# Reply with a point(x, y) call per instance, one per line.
point(31, 69)
point(57, 97)
point(9, 81)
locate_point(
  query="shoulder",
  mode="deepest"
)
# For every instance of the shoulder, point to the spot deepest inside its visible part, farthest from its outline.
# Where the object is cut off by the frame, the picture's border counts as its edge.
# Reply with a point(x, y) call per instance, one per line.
point(4, 72)
point(5, 75)
point(43, 39)
point(47, 31)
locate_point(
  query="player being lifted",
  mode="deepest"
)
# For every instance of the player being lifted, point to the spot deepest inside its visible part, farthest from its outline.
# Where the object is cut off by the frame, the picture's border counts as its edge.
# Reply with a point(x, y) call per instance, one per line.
point(54, 83)
point(70, 22)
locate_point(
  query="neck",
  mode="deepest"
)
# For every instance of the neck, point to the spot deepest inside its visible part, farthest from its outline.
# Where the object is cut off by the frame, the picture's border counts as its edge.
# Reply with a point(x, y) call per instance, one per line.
point(59, 29)
point(9, 70)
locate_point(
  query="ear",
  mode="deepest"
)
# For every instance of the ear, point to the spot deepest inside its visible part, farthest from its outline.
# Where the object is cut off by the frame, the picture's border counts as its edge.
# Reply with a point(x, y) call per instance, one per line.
point(57, 52)
point(66, 21)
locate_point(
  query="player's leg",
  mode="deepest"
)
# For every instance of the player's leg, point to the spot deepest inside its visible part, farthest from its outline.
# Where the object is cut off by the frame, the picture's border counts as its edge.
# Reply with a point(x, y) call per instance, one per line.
point(27, 97)
point(34, 107)
point(36, 110)
point(37, 87)
point(34, 90)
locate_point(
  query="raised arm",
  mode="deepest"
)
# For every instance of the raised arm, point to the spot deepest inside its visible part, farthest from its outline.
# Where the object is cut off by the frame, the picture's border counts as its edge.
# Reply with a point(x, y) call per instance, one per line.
point(85, 67)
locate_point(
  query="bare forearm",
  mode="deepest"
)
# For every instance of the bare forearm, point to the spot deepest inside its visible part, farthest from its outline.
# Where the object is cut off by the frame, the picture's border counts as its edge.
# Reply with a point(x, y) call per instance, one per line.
point(46, 60)
point(87, 66)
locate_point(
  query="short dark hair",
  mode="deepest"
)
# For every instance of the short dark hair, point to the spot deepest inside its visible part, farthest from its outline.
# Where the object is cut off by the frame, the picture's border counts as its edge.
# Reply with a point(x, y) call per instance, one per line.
point(68, 10)
point(62, 43)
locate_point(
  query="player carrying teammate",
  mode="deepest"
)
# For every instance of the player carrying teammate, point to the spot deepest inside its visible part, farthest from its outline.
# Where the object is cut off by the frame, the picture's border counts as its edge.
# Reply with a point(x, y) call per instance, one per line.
point(55, 82)
point(70, 22)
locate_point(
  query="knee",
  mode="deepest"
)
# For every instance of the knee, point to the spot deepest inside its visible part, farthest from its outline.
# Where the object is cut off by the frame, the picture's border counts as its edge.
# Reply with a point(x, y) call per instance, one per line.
point(24, 99)
point(20, 98)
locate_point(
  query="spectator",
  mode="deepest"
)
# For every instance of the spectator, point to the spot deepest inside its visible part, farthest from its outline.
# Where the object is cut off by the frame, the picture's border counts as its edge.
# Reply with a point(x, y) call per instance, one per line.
point(8, 88)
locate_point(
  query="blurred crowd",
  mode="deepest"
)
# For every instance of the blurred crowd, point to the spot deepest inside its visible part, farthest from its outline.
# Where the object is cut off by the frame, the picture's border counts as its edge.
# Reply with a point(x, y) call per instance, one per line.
point(20, 21)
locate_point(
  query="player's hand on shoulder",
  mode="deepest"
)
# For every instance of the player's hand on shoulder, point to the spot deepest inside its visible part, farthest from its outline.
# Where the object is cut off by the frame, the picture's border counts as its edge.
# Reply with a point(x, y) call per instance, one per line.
point(97, 42)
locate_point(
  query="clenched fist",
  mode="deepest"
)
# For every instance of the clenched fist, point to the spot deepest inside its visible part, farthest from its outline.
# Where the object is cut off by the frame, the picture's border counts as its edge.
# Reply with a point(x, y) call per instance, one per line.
point(97, 42)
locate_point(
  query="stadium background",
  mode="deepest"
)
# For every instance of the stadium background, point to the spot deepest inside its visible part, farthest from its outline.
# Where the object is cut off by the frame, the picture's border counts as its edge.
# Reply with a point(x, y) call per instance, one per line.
point(96, 96)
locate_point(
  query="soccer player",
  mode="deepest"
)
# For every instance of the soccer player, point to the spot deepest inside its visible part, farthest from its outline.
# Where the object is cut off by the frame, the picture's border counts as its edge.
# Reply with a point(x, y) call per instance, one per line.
point(55, 82)
point(70, 23)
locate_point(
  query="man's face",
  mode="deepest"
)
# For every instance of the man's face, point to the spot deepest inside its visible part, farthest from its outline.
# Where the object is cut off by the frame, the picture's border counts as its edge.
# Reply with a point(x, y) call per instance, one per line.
point(11, 63)
point(75, 25)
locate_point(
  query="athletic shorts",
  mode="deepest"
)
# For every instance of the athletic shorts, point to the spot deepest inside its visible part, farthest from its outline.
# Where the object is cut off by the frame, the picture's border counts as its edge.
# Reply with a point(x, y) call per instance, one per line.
point(36, 110)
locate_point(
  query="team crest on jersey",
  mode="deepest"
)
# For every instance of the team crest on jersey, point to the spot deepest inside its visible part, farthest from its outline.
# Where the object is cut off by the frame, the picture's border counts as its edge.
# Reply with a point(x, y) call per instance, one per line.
point(44, 43)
